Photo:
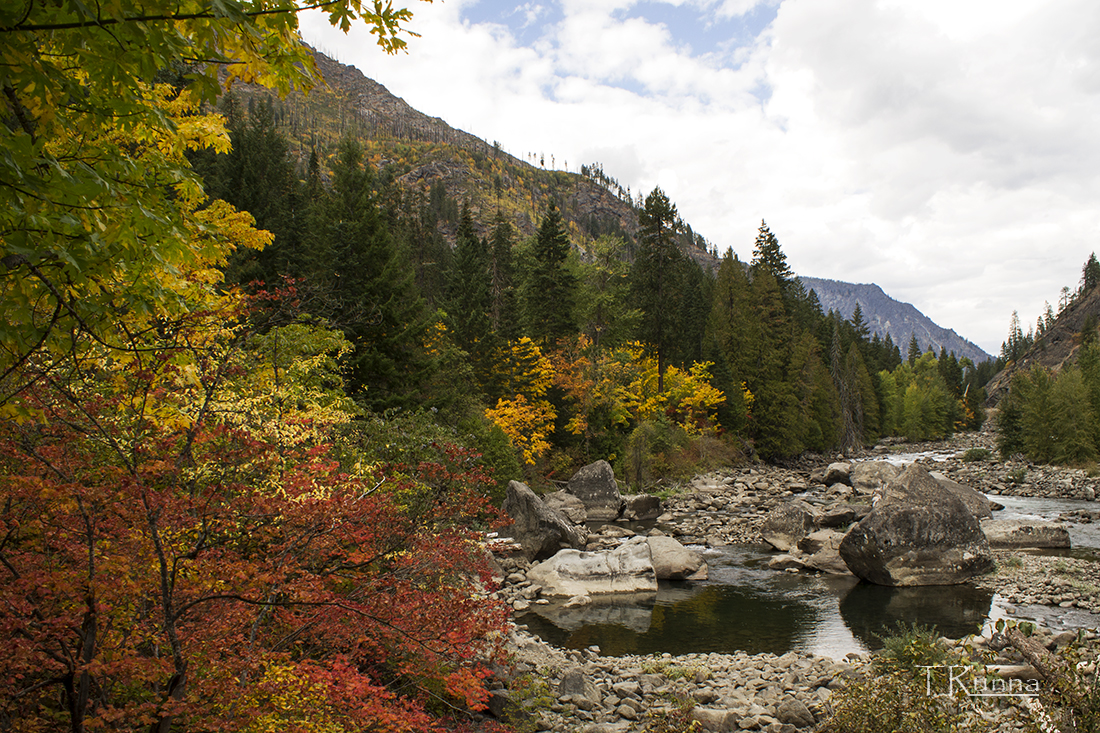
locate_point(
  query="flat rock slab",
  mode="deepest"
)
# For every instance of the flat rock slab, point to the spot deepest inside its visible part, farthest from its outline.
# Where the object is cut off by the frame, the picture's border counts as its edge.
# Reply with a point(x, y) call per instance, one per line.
point(1011, 534)
point(626, 569)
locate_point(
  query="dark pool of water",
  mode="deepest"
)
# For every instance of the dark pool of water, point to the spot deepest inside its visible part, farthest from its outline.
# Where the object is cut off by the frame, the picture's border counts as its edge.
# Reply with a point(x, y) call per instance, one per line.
point(745, 606)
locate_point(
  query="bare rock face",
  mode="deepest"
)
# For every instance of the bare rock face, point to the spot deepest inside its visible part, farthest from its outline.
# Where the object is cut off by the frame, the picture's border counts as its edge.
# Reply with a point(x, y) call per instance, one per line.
point(595, 485)
point(919, 533)
point(673, 561)
point(540, 530)
point(788, 523)
point(626, 569)
point(1010, 534)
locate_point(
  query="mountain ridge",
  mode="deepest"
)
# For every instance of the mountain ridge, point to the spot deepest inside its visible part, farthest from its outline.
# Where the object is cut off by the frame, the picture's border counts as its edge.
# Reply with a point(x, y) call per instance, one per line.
point(886, 315)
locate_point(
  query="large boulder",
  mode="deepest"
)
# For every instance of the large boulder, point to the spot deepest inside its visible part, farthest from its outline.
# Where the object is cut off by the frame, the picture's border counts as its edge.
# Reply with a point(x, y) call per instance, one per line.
point(673, 561)
point(919, 533)
point(640, 507)
point(626, 569)
point(786, 524)
point(869, 476)
point(595, 485)
point(975, 500)
point(1011, 534)
point(838, 473)
point(540, 530)
point(568, 505)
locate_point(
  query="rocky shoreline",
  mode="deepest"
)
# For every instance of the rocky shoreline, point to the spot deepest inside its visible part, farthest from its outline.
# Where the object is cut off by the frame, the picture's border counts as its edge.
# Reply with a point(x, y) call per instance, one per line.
point(585, 691)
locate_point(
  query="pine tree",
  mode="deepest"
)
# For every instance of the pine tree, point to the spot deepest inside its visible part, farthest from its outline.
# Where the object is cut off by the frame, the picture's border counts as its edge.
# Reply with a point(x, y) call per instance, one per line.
point(768, 256)
point(657, 277)
point(502, 288)
point(469, 298)
point(550, 289)
point(914, 350)
point(858, 324)
point(372, 293)
point(1090, 274)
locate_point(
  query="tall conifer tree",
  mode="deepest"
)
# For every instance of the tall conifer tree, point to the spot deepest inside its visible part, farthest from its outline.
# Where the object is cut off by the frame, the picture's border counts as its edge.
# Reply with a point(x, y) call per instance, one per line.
point(657, 277)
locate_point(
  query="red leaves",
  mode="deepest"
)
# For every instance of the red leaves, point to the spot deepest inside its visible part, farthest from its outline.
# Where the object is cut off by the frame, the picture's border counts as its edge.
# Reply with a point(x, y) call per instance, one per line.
point(126, 572)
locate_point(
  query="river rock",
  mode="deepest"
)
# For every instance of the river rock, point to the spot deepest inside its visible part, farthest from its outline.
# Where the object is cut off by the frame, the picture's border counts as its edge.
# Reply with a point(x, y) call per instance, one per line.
point(794, 712)
point(838, 473)
point(626, 569)
point(540, 530)
point(568, 505)
point(869, 476)
point(822, 552)
point(595, 485)
point(919, 533)
point(640, 507)
point(975, 501)
point(1010, 534)
point(788, 523)
point(673, 561)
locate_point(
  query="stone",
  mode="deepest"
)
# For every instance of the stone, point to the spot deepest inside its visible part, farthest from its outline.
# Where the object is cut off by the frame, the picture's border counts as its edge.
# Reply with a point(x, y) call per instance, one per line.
point(787, 523)
point(975, 501)
point(869, 476)
point(673, 561)
point(919, 533)
point(626, 569)
point(838, 473)
point(568, 505)
point(1010, 534)
point(715, 720)
point(595, 485)
point(641, 507)
point(540, 530)
point(842, 515)
point(576, 681)
point(795, 712)
point(823, 550)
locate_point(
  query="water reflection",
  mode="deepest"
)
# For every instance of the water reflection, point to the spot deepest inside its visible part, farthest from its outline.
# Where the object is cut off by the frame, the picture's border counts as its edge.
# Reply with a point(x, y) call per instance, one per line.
point(955, 610)
point(683, 619)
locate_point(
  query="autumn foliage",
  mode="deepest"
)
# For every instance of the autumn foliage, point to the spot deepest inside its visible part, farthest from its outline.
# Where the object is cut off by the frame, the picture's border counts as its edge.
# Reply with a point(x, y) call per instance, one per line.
point(167, 556)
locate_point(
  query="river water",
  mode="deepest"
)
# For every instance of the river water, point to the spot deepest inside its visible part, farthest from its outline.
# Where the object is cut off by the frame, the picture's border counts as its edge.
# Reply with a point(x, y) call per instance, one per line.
point(745, 606)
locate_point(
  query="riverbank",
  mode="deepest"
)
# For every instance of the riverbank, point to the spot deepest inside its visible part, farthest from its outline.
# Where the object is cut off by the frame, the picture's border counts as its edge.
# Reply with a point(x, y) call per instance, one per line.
point(585, 691)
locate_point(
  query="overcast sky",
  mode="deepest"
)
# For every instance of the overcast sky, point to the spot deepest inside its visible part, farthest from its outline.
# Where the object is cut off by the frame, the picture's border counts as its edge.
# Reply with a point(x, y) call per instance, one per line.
point(947, 150)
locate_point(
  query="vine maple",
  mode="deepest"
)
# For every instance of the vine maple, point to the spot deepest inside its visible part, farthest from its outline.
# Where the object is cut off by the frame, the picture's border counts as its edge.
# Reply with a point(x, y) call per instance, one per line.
point(160, 563)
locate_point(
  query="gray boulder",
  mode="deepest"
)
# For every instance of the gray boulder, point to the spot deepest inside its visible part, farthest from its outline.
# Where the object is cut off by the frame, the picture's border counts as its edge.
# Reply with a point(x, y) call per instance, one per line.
point(786, 524)
point(822, 552)
point(919, 533)
point(595, 485)
point(794, 712)
point(869, 476)
point(975, 501)
point(568, 505)
point(640, 507)
point(838, 473)
point(1010, 534)
point(673, 561)
point(626, 569)
point(540, 530)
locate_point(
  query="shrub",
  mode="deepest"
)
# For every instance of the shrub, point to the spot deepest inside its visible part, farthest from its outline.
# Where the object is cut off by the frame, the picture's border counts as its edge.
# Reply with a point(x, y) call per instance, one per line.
point(973, 455)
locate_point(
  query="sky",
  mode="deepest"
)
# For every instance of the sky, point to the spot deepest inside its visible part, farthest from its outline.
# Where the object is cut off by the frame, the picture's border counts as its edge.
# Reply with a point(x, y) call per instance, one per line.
point(946, 150)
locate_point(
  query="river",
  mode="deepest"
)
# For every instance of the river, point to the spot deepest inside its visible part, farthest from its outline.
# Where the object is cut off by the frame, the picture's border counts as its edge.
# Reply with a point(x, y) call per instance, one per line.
point(745, 606)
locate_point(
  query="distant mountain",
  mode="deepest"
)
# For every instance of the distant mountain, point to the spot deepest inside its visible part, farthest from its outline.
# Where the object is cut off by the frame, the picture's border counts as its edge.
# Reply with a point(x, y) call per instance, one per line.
point(884, 315)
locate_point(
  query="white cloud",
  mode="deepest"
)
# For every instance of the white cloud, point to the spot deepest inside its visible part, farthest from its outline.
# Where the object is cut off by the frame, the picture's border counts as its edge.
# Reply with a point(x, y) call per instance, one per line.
point(944, 150)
